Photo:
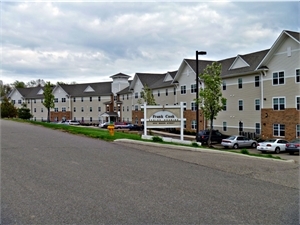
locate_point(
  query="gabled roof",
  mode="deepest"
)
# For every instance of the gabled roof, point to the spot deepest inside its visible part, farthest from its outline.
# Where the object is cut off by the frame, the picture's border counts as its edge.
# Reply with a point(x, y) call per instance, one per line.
point(239, 62)
point(125, 90)
point(31, 92)
point(78, 90)
point(120, 75)
point(284, 34)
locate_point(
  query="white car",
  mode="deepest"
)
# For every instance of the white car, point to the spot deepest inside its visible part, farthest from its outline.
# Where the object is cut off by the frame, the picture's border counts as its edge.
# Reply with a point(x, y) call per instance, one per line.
point(72, 122)
point(275, 145)
point(237, 141)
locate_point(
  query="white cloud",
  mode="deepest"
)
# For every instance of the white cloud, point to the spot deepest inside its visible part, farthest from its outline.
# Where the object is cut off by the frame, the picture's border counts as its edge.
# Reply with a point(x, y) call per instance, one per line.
point(88, 42)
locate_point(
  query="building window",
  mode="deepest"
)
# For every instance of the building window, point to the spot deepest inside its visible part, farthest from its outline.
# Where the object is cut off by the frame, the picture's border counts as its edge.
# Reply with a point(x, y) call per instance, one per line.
point(256, 82)
point(279, 103)
point(19, 101)
point(74, 118)
point(158, 93)
point(194, 124)
point(240, 105)
point(297, 75)
point(174, 90)
point(82, 109)
point(298, 130)
point(81, 99)
point(225, 105)
point(257, 128)
point(28, 101)
point(91, 99)
point(278, 78)
point(224, 126)
point(34, 110)
point(91, 119)
point(136, 95)
point(91, 109)
point(99, 109)
point(63, 99)
point(184, 106)
point(224, 85)
point(123, 97)
point(167, 92)
point(257, 104)
point(279, 130)
point(42, 100)
point(55, 109)
point(115, 98)
point(123, 108)
point(74, 99)
point(241, 126)
point(13, 102)
point(193, 106)
point(42, 110)
point(240, 83)
point(74, 110)
point(184, 124)
point(127, 108)
point(127, 96)
point(183, 90)
point(193, 88)
point(99, 98)
point(56, 100)
point(63, 109)
point(34, 100)
point(297, 102)
point(142, 94)
point(136, 108)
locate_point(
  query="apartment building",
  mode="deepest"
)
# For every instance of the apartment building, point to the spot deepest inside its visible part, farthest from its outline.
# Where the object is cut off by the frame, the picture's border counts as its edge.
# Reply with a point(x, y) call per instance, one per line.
point(262, 91)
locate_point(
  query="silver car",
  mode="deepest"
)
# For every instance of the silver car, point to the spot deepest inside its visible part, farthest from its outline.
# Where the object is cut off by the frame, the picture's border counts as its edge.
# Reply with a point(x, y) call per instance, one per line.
point(238, 141)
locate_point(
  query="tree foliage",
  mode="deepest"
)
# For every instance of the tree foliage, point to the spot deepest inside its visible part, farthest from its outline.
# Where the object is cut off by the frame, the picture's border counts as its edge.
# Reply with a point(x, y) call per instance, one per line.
point(210, 97)
point(8, 109)
point(48, 99)
point(24, 112)
point(147, 95)
point(5, 89)
point(18, 84)
point(36, 83)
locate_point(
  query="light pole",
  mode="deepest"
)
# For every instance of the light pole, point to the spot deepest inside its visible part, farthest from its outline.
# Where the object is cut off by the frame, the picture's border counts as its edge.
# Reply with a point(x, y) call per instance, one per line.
point(197, 89)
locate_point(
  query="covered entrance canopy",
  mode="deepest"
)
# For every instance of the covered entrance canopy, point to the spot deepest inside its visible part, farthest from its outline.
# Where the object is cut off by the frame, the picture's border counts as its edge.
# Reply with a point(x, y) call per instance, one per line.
point(108, 117)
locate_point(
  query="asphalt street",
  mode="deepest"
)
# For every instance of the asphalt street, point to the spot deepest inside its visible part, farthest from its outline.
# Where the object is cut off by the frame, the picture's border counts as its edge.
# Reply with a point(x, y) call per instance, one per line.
point(52, 177)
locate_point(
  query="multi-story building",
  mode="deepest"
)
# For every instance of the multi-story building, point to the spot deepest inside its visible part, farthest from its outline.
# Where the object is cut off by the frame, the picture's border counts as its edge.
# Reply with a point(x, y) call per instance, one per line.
point(262, 91)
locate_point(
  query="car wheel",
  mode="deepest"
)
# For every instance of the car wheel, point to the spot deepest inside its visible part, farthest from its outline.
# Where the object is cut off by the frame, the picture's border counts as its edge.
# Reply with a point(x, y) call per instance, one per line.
point(235, 146)
point(263, 151)
point(253, 145)
point(277, 150)
point(291, 153)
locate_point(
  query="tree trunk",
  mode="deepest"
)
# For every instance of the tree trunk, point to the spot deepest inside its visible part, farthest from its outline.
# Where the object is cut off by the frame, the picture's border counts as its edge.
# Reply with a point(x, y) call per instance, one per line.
point(210, 132)
point(48, 117)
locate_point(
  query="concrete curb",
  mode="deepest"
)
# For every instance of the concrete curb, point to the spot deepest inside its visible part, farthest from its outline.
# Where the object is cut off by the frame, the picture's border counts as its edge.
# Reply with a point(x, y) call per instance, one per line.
point(187, 148)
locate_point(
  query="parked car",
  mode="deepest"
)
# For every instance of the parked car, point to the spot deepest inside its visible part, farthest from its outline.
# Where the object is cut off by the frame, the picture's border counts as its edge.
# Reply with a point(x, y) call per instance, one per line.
point(293, 146)
point(135, 127)
point(103, 125)
point(216, 136)
point(237, 141)
point(120, 125)
point(72, 122)
point(275, 145)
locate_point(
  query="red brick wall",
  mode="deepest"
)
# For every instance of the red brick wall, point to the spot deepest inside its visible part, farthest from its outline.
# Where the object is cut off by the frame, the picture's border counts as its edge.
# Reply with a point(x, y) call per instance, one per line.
point(60, 115)
point(289, 117)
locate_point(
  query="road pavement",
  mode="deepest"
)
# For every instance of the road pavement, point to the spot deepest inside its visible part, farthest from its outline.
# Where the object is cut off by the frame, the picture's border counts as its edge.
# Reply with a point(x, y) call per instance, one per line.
point(52, 177)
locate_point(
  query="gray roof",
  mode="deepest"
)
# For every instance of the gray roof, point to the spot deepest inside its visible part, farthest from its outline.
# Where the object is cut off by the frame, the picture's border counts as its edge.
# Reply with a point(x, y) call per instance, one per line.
point(101, 88)
point(31, 92)
point(253, 59)
point(150, 78)
point(294, 34)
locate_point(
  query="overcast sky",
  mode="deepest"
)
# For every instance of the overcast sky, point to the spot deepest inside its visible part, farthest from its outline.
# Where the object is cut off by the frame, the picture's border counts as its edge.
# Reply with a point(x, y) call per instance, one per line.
point(89, 42)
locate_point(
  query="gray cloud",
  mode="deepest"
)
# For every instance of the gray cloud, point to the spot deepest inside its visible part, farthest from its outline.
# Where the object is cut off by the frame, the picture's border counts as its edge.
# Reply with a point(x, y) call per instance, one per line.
point(88, 42)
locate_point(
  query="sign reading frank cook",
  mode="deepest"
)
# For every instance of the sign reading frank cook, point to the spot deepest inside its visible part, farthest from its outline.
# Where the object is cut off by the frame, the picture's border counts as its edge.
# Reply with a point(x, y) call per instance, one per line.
point(163, 117)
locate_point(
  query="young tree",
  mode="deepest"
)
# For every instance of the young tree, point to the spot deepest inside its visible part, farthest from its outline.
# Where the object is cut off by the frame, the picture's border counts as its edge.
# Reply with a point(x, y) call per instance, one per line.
point(211, 100)
point(5, 89)
point(18, 84)
point(48, 99)
point(24, 112)
point(8, 109)
point(147, 95)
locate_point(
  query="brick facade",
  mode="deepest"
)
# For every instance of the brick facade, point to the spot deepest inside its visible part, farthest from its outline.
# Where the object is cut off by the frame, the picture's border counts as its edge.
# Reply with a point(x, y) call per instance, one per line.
point(290, 117)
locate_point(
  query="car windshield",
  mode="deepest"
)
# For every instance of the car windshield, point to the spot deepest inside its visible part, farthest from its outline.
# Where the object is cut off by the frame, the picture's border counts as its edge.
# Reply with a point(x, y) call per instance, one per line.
point(270, 140)
point(231, 137)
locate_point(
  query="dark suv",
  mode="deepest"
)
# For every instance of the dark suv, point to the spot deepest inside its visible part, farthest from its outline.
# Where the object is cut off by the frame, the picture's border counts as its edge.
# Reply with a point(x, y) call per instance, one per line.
point(216, 136)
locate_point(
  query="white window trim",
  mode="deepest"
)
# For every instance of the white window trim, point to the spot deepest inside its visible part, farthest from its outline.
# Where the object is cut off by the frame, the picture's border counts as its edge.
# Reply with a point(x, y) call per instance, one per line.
point(185, 89)
point(224, 126)
point(255, 104)
point(278, 130)
point(296, 76)
point(239, 104)
point(278, 78)
point(278, 99)
point(297, 96)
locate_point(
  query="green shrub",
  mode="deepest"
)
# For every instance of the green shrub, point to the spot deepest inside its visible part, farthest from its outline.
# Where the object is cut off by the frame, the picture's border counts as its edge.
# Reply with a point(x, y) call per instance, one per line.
point(245, 151)
point(157, 139)
point(194, 144)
